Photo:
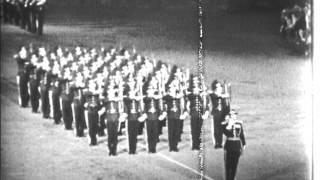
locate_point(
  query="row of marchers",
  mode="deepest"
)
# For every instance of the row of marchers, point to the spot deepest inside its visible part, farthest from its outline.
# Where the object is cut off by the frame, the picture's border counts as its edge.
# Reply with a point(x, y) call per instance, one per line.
point(116, 89)
point(28, 14)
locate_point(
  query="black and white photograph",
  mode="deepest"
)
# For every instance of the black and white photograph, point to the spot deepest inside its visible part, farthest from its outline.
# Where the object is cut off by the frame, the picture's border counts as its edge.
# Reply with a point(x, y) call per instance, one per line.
point(158, 89)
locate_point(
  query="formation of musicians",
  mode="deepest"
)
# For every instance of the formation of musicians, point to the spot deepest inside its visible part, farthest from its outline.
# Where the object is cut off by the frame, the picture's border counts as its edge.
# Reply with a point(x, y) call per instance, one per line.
point(296, 26)
point(119, 90)
point(28, 14)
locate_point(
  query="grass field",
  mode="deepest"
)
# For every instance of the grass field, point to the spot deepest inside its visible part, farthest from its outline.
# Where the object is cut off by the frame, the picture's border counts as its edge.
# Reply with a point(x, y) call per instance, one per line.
point(268, 85)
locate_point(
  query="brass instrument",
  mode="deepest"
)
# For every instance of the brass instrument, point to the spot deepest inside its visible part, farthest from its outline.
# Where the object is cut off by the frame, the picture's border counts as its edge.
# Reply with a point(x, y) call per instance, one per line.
point(181, 97)
point(161, 90)
point(140, 90)
point(120, 97)
point(227, 91)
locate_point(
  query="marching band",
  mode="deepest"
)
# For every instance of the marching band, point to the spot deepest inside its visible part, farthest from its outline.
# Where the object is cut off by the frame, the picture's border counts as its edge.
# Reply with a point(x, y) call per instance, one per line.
point(98, 89)
point(28, 14)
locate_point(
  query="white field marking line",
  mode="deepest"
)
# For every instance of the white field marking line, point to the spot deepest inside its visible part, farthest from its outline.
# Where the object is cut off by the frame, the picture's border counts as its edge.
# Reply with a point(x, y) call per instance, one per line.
point(182, 165)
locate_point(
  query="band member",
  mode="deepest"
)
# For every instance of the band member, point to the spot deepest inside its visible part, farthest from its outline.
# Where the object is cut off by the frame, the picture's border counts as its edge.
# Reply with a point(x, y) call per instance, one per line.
point(55, 96)
point(78, 106)
point(44, 93)
point(78, 112)
point(22, 13)
point(112, 119)
point(33, 89)
point(45, 84)
point(6, 10)
point(91, 114)
point(133, 110)
point(178, 76)
point(162, 76)
point(152, 113)
point(234, 145)
point(14, 14)
point(26, 21)
point(36, 13)
point(100, 80)
point(65, 103)
point(39, 11)
point(172, 101)
point(183, 79)
point(199, 110)
point(219, 110)
point(119, 82)
point(22, 77)
point(102, 124)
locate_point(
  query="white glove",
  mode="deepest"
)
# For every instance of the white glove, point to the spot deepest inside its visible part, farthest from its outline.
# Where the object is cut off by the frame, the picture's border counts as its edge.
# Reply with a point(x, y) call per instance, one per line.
point(206, 115)
point(163, 116)
point(230, 123)
point(184, 115)
point(142, 118)
point(123, 117)
point(101, 111)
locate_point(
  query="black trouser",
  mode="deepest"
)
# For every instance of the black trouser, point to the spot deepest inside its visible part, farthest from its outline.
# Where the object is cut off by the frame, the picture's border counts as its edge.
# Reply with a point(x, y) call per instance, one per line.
point(218, 131)
point(5, 11)
point(133, 126)
point(231, 159)
point(79, 120)
point(93, 118)
point(196, 124)
point(11, 13)
point(39, 13)
point(23, 16)
point(16, 14)
point(173, 133)
point(112, 126)
point(56, 105)
point(141, 126)
point(45, 105)
point(32, 19)
point(161, 125)
point(34, 94)
point(102, 125)
point(23, 89)
point(153, 134)
point(29, 18)
point(67, 111)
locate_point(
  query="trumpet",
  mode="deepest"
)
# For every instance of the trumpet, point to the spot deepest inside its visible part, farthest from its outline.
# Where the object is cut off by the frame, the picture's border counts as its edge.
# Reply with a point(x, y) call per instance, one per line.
point(120, 98)
point(140, 90)
point(227, 91)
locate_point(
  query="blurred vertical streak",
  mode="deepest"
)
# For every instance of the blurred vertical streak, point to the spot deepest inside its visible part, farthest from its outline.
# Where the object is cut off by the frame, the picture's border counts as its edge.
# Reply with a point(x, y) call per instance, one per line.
point(201, 155)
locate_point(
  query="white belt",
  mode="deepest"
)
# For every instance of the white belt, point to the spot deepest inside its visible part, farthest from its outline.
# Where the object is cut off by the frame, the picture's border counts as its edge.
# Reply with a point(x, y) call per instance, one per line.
point(233, 138)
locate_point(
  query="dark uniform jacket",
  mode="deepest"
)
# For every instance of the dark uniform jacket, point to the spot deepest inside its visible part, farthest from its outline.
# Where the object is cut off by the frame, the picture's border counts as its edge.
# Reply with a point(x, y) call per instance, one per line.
point(112, 110)
point(219, 104)
point(235, 136)
point(152, 108)
point(197, 105)
point(173, 106)
point(132, 108)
